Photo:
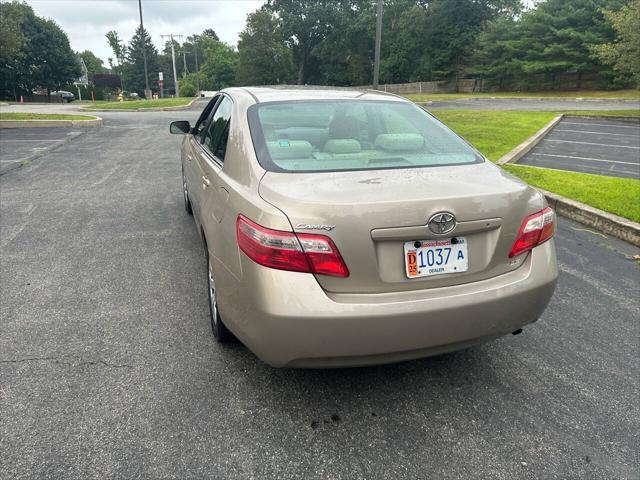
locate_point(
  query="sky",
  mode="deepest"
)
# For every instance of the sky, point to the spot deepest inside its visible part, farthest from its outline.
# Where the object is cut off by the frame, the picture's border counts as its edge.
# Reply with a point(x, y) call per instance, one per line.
point(87, 21)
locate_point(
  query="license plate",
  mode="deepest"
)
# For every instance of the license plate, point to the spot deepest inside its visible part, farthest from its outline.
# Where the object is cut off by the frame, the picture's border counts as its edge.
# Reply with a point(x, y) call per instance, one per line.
point(435, 257)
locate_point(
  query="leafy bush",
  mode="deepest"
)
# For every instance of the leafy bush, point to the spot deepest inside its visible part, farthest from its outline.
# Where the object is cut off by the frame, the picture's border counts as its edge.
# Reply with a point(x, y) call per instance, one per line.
point(188, 85)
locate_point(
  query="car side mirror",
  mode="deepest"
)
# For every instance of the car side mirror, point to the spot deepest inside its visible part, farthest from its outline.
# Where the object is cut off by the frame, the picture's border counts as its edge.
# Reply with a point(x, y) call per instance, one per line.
point(179, 127)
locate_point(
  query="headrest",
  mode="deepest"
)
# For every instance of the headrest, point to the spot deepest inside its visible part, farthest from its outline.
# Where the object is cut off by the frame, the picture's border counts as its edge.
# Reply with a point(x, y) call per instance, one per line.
point(287, 149)
point(400, 142)
point(347, 145)
point(344, 127)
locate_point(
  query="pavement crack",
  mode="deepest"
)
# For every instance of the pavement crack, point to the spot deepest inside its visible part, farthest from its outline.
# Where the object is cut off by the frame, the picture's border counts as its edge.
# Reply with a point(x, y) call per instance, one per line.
point(64, 361)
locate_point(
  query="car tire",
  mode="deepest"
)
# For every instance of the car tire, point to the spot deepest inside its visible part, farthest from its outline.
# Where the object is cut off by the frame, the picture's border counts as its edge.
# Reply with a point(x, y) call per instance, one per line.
point(220, 331)
point(185, 194)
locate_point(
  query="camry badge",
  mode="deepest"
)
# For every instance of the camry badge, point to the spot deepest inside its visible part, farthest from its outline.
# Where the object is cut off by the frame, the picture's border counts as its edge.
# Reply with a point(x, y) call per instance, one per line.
point(306, 226)
point(442, 222)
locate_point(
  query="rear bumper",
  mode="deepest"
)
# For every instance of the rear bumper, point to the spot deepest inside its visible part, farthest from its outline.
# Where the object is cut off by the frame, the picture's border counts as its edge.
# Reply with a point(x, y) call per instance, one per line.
point(286, 319)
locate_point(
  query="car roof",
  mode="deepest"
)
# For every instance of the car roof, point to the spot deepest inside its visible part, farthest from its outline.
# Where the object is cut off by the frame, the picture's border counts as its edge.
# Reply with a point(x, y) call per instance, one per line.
point(282, 93)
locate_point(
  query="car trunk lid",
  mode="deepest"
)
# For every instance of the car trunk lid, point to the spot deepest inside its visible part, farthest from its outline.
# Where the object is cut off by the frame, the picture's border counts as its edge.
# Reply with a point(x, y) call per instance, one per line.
point(370, 215)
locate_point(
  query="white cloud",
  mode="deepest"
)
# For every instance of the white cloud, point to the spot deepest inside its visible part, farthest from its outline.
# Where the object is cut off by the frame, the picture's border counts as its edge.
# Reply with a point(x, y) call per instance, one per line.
point(87, 21)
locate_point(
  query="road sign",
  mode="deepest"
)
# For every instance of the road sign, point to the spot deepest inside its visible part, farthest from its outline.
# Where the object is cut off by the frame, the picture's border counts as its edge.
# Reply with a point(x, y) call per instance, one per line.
point(160, 76)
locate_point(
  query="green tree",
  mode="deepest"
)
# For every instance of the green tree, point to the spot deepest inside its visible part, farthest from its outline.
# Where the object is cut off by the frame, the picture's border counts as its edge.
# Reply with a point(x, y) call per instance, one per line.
point(211, 33)
point(434, 40)
point(305, 24)
point(345, 56)
point(263, 56)
point(51, 62)
point(44, 58)
point(624, 52)
point(134, 66)
point(12, 46)
point(120, 52)
point(219, 62)
point(499, 55)
point(557, 37)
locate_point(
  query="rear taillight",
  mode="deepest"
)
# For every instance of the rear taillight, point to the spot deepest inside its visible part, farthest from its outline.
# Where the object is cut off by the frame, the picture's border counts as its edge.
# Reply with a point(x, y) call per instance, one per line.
point(535, 229)
point(287, 251)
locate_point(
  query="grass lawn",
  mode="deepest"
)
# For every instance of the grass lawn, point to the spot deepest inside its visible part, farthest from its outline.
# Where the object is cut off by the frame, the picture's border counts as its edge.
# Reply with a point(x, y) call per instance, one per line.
point(631, 94)
point(42, 116)
point(615, 195)
point(136, 104)
point(494, 132)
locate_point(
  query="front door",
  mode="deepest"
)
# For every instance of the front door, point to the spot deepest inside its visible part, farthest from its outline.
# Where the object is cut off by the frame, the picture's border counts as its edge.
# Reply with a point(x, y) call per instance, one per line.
point(212, 195)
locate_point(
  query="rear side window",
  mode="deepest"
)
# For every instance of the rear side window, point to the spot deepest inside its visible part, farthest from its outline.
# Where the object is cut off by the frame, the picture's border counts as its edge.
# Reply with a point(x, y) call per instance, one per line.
point(304, 136)
point(217, 135)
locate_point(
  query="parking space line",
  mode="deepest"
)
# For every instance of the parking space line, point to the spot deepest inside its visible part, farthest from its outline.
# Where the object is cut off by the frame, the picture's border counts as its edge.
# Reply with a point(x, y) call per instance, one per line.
point(584, 158)
point(589, 143)
point(602, 124)
point(597, 133)
point(30, 141)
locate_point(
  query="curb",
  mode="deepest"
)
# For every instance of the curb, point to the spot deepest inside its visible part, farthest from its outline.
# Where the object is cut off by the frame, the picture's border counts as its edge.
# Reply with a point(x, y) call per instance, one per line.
point(599, 220)
point(526, 146)
point(607, 117)
point(94, 122)
point(150, 109)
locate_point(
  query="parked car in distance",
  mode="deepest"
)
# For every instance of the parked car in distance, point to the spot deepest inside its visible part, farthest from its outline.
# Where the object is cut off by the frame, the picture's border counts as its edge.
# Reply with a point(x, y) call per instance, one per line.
point(65, 96)
point(347, 228)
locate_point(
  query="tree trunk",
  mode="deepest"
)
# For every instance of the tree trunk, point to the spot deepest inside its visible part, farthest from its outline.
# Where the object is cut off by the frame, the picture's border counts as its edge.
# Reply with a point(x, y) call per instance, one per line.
point(579, 80)
point(301, 66)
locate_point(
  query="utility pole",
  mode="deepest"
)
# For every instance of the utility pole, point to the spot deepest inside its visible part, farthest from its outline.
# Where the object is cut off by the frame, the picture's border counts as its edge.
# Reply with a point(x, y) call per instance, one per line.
point(173, 60)
point(195, 51)
point(147, 92)
point(184, 58)
point(376, 61)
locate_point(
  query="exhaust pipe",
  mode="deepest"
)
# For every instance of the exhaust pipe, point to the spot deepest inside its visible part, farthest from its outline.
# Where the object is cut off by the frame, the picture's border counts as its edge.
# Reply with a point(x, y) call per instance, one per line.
point(517, 332)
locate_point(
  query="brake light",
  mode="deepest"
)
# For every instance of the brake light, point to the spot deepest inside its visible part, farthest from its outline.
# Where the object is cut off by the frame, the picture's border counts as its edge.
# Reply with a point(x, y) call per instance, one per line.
point(287, 251)
point(535, 230)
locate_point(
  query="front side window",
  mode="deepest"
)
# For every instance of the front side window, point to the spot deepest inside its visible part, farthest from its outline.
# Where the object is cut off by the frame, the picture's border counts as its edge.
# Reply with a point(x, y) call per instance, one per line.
point(201, 125)
point(305, 136)
point(215, 139)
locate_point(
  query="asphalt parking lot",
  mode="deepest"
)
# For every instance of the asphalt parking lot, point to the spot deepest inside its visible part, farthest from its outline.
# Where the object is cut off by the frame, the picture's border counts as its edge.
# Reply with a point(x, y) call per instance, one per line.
point(605, 147)
point(108, 368)
point(19, 145)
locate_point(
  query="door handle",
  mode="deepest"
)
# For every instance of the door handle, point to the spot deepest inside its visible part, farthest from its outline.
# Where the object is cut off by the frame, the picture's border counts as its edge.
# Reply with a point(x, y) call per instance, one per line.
point(205, 182)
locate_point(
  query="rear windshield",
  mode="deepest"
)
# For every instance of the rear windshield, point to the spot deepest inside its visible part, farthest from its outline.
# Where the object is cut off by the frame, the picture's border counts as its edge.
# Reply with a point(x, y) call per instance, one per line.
point(307, 136)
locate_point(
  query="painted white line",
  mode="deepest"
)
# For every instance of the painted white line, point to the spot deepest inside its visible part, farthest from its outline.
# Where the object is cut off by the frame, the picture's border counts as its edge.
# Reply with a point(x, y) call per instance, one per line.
point(30, 141)
point(589, 143)
point(598, 133)
point(601, 124)
point(585, 158)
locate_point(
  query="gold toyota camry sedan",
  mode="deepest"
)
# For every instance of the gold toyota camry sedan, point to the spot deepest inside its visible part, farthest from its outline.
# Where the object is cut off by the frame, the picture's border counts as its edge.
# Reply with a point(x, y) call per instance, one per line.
point(346, 228)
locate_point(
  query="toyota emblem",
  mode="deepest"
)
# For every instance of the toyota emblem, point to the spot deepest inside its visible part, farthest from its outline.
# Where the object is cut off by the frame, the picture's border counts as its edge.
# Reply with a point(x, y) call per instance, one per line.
point(442, 222)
